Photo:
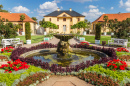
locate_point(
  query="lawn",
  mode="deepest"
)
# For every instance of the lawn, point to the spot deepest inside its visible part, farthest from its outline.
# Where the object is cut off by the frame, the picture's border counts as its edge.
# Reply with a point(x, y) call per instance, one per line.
point(34, 38)
point(91, 39)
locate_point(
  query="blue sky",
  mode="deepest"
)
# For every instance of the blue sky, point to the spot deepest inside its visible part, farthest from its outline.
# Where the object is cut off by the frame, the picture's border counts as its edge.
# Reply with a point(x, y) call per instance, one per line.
point(92, 9)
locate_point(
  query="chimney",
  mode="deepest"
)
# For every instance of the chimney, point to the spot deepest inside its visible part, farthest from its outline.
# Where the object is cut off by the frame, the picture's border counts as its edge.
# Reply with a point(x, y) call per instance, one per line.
point(70, 9)
point(58, 9)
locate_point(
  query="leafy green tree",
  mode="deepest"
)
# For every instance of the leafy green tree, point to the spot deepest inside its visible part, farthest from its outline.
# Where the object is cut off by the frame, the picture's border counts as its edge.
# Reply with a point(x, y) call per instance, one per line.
point(105, 18)
point(1, 10)
point(22, 17)
point(80, 24)
point(48, 24)
point(34, 18)
point(40, 22)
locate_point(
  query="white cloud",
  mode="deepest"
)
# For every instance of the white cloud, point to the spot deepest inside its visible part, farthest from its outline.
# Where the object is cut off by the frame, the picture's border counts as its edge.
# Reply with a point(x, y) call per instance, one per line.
point(102, 8)
point(20, 9)
point(92, 6)
point(128, 9)
point(80, 0)
point(112, 8)
point(94, 10)
point(48, 6)
point(61, 7)
point(125, 5)
point(121, 3)
point(92, 14)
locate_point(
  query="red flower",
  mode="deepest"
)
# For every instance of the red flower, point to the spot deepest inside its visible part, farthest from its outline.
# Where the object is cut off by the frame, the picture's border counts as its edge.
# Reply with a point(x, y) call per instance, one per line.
point(10, 71)
point(115, 66)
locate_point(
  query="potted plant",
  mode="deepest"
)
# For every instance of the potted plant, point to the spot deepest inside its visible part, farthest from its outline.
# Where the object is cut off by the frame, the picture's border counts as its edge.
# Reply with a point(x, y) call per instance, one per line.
point(98, 33)
point(27, 33)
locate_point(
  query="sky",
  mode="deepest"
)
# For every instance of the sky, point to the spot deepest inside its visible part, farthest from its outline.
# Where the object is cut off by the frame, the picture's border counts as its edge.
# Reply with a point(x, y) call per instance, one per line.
point(92, 9)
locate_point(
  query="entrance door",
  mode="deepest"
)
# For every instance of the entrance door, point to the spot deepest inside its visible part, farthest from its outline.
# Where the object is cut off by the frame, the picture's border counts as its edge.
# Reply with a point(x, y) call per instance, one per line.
point(64, 28)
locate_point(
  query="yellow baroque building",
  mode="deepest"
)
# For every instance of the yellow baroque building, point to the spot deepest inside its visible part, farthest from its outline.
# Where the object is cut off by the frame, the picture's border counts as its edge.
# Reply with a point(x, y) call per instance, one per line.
point(64, 19)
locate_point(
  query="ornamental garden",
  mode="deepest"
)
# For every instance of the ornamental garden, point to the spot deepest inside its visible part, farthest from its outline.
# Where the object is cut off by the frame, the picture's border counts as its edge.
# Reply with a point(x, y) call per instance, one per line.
point(98, 65)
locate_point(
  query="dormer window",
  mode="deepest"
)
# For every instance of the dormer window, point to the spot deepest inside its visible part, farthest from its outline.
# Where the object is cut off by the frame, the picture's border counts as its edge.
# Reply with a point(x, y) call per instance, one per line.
point(64, 15)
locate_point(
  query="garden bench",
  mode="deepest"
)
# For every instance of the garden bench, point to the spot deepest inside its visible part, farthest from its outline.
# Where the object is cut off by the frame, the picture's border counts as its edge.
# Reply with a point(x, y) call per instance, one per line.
point(46, 38)
point(11, 41)
point(116, 41)
point(81, 38)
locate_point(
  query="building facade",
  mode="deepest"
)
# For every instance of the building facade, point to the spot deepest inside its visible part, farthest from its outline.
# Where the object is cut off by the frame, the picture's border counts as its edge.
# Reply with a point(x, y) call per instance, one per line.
point(118, 16)
point(15, 19)
point(64, 20)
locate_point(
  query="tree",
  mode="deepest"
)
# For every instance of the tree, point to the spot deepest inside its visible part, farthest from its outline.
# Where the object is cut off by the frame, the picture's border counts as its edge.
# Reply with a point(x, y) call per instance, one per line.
point(105, 18)
point(22, 17)
point(27, 31)
point(40, 22)
point(80, 24)
point(1, 10)
point(34, 18)
point(48, 24)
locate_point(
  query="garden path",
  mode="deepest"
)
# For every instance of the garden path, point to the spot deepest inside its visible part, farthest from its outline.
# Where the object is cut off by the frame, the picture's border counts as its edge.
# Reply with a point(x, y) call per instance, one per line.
point(64, 81)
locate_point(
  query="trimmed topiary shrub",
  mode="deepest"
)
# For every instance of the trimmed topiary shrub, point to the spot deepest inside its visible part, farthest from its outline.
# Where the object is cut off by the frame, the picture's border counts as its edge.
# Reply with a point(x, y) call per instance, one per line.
point(98, 31)
point(27, 31)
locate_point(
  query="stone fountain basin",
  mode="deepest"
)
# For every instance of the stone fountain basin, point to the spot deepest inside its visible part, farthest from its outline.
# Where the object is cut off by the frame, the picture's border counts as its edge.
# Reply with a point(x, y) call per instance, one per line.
point(64, 37)
point(53, 50)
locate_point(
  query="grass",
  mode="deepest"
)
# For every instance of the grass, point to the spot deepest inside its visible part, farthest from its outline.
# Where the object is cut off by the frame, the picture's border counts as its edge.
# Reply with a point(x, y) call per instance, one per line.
point(91, 39)
point(34, 38)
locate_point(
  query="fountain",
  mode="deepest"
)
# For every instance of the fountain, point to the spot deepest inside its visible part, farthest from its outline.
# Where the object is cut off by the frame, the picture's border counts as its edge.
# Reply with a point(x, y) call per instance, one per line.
point(63, 47)
point(64, 55)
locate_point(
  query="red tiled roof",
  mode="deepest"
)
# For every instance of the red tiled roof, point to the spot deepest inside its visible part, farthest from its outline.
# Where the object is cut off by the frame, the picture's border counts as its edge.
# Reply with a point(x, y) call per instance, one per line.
point(15, 17)
point(119, 17)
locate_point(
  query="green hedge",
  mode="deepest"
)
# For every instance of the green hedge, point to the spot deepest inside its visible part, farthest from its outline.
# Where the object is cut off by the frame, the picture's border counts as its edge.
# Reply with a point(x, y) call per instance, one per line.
point(27, 31)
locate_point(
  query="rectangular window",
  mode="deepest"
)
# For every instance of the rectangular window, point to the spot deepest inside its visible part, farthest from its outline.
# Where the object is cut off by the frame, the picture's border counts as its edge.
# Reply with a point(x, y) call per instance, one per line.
point(64, 19)
point(50, 19)
point(78, 19)
point(57, 19)
point(58, 26)
point(71, 19)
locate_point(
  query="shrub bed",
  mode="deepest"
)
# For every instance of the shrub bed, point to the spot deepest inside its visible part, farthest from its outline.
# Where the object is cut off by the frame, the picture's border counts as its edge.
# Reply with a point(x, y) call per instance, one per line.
point(12, 79)
point(34, 79)
point(119, 77)
point(54, 68)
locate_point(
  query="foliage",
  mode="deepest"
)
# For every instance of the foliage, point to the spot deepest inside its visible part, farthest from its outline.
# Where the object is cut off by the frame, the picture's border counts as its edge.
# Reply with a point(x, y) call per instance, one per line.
point(104, 71)
point(16, 65)
point(34, 18)
point(98, 79)
point(48, 24)
point(35, 78)
point(98, 31)
point(122, 29)
point(121, 49)
point(7, 49)
point(27, 31)
point(122, 53)
point(80, 24)
point(125, 58)
point(105, 18)
point(40, 22)
point(8, 30)
point(10, 78)
point(83, 43)
point(6, 54)
point(116, 65)
point(1, 10)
